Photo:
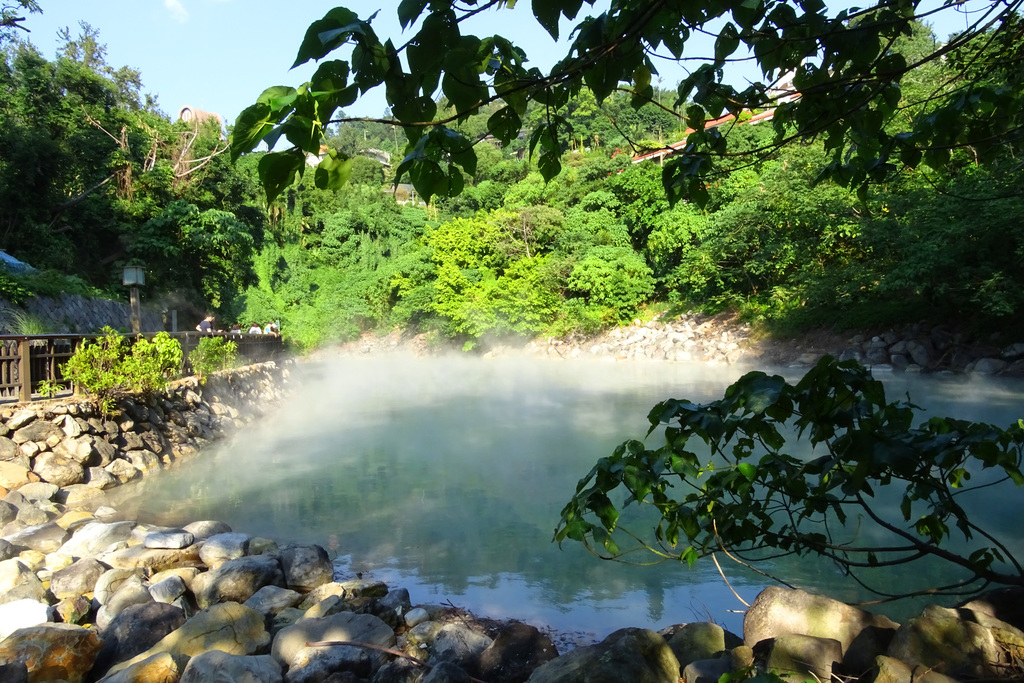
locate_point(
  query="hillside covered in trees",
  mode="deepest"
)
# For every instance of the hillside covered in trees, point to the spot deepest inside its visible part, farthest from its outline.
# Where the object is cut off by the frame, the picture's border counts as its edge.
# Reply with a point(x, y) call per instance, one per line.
point(93, 176)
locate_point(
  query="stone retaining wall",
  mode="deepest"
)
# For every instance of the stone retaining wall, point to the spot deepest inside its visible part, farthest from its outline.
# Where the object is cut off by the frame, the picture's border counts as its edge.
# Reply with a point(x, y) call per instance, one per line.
point(70, 447)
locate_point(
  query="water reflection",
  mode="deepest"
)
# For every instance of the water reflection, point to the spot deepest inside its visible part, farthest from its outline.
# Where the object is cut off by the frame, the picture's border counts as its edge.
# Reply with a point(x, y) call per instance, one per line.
point(448, 478)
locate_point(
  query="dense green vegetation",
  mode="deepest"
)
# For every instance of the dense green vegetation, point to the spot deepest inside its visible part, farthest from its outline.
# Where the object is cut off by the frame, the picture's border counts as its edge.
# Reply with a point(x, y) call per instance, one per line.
point(94, 176)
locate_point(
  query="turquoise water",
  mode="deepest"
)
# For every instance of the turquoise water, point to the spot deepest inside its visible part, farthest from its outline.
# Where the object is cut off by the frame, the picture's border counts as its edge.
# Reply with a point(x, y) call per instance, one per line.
point(448, 477)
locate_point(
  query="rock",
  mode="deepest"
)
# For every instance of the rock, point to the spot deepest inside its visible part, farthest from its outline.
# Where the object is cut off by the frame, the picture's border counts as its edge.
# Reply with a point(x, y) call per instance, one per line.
point(517, 650)
point(18, 582)
point(123, 471)
point(219, 667)
point(804, 656)
point(143, 460)
point(780, 611)
point(132, 592)
point(53, 652)
point(697, 641)
point(270, 600)
point(31, 516)
point(79, 495)
point(136, 629)
point(237, 580)
point(8, 512)
point(37, 430)
point(629, 654)
point(461, 645)
point(168, 590)
point(13, 475)
point(22, 614)
point(290, 648)
point(74, 609)
point(1005, 604)
point(228, 626)
point(95, 537)
point(393, 606)
point(154, 559)
point(306, 567)
point(349, 590)
point(706, 670)
point(21, 418)
point(446, 672)
point(988, 366)
point(46, 538)
point(207, 528)
point(39, 491)
point(969, 645)
point(222, 547)
point(76, 579)
point(177, 538)
point(111, 580)
point(160, 668)
point(99, 478)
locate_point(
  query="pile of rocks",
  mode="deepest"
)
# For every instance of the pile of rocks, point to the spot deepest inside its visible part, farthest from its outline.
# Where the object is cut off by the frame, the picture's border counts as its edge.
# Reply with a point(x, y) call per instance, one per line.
point(134, 603)
point(722, 339)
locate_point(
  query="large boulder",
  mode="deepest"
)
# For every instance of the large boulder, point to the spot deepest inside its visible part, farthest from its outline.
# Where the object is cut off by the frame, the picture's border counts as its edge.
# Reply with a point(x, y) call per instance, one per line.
point(58, 469)
point(805, 657)
point(45, 538)
point(162, 667)
point(629, 654)
point(237, 580)
point(136, 629)
point(18, 582)
point(77, 578)
point(290, 647)
point(780, 611)
point(53, 652)
point(516, 651)
point(95, 537)
point(22, 614)
point(306, 567)
point(960, 643)
point(228, 626)
point(223, 547)
point(15, 474)
point(699, 640)
point(219, 667)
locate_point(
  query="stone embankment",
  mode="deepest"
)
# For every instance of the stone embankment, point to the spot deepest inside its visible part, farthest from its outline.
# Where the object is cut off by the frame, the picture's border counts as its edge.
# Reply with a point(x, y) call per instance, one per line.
point(721, 339)
point(75, 314)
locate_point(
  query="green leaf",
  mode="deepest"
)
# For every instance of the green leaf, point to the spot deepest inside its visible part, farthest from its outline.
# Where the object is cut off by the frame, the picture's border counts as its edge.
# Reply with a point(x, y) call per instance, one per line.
point(333, 171)
point(747, 470)
point(409, 11)
point(547, 12)
point(278, 170)
point(313, 46)
point(250, 127)
point(505, 125)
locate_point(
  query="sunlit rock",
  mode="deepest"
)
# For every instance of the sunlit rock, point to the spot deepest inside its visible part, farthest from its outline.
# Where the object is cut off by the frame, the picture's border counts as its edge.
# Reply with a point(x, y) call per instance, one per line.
point(96, 537)
point(959, 643)
point(22, 614)
point(228, 626)
point(290, 647)
point(780, 611)
point(77, 578)
point(222, 547)
point(162, 667)
point(132, 592)
point(237, 580)
point(46, 538)
point(53, 652)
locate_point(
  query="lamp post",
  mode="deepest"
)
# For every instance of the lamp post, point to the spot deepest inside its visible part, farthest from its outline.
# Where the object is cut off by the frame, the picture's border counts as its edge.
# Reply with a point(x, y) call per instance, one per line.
point(133, 277)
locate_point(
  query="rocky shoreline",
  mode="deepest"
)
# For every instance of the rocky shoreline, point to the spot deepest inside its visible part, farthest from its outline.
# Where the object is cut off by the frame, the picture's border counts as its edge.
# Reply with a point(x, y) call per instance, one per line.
point(722, 339)
point(86, 595)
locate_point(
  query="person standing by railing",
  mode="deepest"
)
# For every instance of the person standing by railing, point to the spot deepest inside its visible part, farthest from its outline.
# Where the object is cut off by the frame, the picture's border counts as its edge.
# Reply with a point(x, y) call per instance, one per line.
point(205, 325)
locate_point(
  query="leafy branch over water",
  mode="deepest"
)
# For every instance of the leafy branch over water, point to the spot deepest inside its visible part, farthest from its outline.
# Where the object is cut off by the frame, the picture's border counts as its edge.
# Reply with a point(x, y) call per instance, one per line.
point(726, 478)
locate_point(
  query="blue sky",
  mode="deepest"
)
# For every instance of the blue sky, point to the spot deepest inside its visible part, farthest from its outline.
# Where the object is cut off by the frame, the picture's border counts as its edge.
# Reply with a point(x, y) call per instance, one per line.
point(219, 55)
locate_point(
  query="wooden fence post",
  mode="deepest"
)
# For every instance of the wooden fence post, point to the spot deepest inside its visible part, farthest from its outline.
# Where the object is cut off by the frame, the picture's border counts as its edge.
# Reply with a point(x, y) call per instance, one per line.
point(24, 371)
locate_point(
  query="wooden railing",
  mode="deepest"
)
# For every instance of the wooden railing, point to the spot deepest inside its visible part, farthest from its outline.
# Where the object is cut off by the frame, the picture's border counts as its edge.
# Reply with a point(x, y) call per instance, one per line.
point(25, 362)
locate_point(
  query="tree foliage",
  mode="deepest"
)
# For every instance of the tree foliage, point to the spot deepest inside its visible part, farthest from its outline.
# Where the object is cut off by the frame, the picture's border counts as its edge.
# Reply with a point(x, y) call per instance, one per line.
point(876, 490)
point(843, 64)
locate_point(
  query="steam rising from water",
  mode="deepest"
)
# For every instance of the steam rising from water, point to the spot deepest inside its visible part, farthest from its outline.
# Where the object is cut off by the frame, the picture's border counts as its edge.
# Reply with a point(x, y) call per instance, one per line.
point(447, 477)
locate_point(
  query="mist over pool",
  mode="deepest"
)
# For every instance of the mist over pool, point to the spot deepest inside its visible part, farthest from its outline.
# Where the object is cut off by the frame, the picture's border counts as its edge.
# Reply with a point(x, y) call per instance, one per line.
point(447, 477)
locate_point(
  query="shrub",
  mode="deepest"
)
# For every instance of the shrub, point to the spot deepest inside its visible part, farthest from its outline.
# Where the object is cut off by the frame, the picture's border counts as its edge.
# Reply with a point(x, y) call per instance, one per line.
point(213, 354)
point(110, 368)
